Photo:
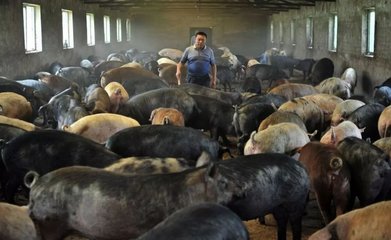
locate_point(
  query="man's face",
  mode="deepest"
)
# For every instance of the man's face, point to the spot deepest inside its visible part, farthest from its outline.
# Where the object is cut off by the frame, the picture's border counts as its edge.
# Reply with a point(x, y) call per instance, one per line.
point(200, 41)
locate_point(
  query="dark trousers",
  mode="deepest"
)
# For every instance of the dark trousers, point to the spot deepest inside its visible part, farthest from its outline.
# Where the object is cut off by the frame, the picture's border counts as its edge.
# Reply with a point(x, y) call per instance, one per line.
point(200, 80)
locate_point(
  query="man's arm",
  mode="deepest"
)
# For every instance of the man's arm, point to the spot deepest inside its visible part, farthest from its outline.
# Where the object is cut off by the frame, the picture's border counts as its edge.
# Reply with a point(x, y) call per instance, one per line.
point(178, 72)
point(214, 76)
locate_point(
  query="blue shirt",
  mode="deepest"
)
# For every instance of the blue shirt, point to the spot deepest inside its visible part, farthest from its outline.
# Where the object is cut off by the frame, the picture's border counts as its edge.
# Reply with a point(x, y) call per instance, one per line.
point(199, 60)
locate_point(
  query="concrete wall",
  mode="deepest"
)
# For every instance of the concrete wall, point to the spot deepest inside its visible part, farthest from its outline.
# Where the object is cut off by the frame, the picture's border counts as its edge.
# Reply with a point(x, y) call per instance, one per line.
point(371, 70)
point(16, 64)
point(242, 34)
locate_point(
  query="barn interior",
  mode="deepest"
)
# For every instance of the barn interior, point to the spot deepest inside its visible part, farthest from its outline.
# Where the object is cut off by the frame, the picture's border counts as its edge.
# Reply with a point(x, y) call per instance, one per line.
point(244, 26)
point(340, 30)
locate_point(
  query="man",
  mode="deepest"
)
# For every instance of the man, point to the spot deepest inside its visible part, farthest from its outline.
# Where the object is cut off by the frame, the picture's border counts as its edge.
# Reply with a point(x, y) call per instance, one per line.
point(200, 62)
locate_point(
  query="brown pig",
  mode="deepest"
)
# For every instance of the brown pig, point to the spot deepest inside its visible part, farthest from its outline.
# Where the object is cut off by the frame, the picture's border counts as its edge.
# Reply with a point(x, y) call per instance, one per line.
point(99, 127)
point(15, 223)
point(371, 222)
point(15, 106)
point(167, 116)
point(329, 176)
point(117, 94)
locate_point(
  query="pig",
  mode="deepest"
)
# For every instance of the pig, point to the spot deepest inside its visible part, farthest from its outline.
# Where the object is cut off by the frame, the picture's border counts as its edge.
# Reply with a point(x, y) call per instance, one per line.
point(267, 183)
point(7, 133)
point(133, 65)
point(134, 80)
point(152, 66)
point(167, 116)
point(15, 223)
point(105, 66)
point(163, 141)
point(280, 138)
point(232, 98)
point(252, 62)
point(337, 133)
point(168, 74)
point(215, 116)
point(293, 90)
point(172, 53)
point(62, 109)
point(284, 62)
point(226, 76)
point(330, 178)
point(40, 88)
point(251, 85)
point(14, 105)
point(97, 100)
point(382, 95)
point(305, 65)
point(370, 222)
point(384, 144)
point(265, 72)
point(180, 225)
point(310, 113)
point(272, 99)
point(30, 94)
point(78, 75)
point(154, 165)
point(52, 149)
point(220, 183)
point(279, 117)
point(99, 127)
point(335, 86)
point(56, 83)
point(370, 170)
point(384, 122)
point(321, 70)
point(117, 95)
point(350, 76)
point(165, 60)
point(343, 110)
point(117, 56)
point(326, 102)
point(247, 118)
point(140, 107)
point(26, 126)
point(133, 210)
point(366, 117)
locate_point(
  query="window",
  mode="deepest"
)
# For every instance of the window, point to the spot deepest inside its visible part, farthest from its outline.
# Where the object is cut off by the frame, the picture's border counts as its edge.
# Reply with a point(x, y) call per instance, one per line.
point(90, 29)
point(310, 32)
point(128, 30)
point(119, 30)
point(106, 28)
point(67, 29)
point(293, 37)
point(368, 45)
point(333, 32)
point(32, 28)
point(281, 34)
point(271, 32)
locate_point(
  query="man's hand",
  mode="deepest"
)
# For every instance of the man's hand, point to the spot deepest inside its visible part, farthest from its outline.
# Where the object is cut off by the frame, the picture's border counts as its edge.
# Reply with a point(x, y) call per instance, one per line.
point(213, 83)
point(178, 77)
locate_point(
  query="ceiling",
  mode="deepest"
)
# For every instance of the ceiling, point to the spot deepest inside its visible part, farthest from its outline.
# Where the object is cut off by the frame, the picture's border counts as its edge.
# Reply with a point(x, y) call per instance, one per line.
point(249, 6)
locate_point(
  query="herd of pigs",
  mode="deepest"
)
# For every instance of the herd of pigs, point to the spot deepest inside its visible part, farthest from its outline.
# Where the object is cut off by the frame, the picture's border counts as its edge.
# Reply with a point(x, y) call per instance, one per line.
point(116, 149)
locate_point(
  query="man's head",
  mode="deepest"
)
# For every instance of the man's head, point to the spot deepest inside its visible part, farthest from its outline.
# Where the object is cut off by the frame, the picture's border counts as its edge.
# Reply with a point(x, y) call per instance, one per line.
point(200, 39)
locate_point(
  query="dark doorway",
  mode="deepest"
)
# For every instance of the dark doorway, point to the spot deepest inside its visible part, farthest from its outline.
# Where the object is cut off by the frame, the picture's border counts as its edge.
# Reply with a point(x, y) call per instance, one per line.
point(208, 32)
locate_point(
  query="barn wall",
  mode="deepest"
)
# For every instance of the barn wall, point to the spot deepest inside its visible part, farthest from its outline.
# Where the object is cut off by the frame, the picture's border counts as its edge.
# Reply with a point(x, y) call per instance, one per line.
point(242, 34)
point(16, 64)
point(371, 70)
